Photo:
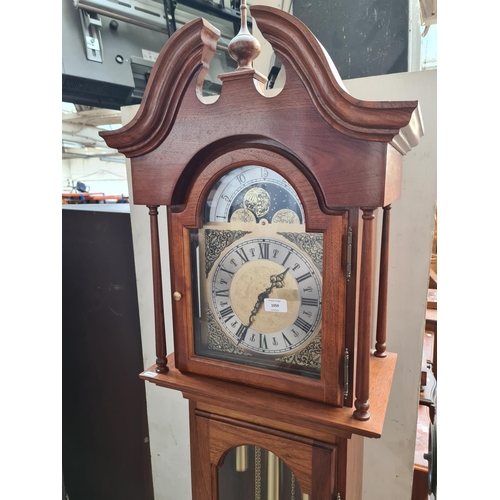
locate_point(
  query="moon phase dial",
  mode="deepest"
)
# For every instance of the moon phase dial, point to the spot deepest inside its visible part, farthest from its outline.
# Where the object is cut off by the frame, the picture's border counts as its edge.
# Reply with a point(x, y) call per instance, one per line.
point(253, 194)
point(243, 215)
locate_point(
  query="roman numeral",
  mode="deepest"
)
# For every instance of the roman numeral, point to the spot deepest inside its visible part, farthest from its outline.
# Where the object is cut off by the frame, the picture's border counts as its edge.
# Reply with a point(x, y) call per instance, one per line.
point(226, 271)
point(303, 325)
point(303, 277)
point(287, 342)
point(286, 258)
point(241, 333)
point(228, 311)
point(242, 255)
point(222, 293)
point(262, 341)
point(264, 250)
point(310, 302)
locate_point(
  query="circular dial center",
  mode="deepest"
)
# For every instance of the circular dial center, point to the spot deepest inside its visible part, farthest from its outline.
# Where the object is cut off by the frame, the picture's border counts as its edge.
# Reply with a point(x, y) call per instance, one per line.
point(252, 284)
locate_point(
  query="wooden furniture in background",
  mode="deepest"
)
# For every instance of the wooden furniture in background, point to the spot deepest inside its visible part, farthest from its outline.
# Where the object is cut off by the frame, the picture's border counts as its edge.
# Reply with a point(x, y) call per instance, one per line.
point(103, 402)
point(420, 489)
point(424, 470)
point(84, 198)
point(433, 269)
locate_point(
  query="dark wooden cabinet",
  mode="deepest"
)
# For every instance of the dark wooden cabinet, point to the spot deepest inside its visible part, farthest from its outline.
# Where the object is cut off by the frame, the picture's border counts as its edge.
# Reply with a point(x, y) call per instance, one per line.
point(105, 437)
point(270, 204)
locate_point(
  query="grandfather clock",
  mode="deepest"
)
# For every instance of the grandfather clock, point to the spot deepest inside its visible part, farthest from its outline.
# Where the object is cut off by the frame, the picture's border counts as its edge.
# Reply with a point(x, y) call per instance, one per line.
point(271, 204)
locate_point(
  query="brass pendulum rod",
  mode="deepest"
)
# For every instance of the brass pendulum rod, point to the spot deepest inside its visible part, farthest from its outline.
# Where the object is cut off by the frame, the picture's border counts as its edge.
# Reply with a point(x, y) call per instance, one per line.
point(273, 482)
point(241, 458)
point(380, 345)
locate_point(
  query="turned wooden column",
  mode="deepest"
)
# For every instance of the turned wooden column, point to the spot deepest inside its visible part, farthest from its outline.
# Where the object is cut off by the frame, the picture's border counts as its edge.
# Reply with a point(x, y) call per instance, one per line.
point(364, 329)
point(380, 344)
point(161, 343)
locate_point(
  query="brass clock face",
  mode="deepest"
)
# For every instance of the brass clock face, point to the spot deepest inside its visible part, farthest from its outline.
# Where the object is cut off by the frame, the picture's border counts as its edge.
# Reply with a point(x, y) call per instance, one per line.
point(266, 296)
point(259, 282)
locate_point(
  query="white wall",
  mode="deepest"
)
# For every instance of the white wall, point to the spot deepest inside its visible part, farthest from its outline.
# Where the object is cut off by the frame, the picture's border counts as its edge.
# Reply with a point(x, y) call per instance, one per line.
point(389, 461)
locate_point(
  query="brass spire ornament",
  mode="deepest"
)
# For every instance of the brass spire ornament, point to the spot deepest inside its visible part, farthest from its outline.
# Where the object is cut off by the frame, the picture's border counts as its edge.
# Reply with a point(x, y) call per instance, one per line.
point(244, 47)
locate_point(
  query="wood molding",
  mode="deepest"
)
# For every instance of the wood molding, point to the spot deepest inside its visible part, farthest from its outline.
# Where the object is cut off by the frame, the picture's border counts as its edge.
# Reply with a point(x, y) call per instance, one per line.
point(187, 50)
point(282, 409)
point(396, 122)
point(192, 47)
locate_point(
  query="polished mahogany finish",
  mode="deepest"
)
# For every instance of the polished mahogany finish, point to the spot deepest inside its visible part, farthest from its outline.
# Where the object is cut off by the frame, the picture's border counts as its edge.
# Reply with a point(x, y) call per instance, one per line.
point(348, 150)
point(352, 148)
point(295, 429)
point(161, 348)
point(334, 226)
point(343, 158)
point(365, 308)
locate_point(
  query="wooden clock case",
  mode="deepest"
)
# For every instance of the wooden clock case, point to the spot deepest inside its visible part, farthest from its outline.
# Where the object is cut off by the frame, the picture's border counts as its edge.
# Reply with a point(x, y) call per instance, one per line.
point(343, 156)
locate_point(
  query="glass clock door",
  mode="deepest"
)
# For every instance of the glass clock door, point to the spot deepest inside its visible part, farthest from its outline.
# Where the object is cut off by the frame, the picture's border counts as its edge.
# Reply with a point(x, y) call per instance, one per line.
point(258, 275)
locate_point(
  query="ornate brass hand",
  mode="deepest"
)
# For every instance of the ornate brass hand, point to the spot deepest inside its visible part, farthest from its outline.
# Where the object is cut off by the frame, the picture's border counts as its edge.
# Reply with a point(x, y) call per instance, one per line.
point(277, 281)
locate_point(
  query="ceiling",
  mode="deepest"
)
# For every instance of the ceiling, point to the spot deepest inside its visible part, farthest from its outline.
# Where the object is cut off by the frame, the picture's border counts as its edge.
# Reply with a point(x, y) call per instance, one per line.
point(80, 131)
point(89, 67)
point(81, 124)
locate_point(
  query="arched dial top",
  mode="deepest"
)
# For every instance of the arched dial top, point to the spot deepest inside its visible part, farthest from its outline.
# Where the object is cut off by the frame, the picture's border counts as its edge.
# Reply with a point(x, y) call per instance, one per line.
point(253, 193)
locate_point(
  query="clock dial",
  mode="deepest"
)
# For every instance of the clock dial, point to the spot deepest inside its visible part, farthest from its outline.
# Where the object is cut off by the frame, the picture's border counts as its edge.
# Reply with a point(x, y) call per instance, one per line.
point(258, 275)
point(253, 194)
point(266, 296)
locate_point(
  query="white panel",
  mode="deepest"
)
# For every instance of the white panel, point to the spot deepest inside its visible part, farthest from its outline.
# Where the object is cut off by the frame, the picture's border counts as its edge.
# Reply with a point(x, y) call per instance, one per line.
point(388, 462)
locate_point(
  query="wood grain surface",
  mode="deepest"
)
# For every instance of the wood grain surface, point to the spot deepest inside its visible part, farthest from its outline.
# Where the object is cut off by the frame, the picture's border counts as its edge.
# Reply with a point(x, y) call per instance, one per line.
point(284, 410)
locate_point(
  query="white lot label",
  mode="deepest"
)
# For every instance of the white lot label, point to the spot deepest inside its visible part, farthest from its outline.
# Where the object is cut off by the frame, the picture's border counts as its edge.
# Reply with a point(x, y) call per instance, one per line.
point(275, 305)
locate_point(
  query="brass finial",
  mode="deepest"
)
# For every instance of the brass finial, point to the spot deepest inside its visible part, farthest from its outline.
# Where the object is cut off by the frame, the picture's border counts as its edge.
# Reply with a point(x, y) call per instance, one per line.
point(244, 47)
